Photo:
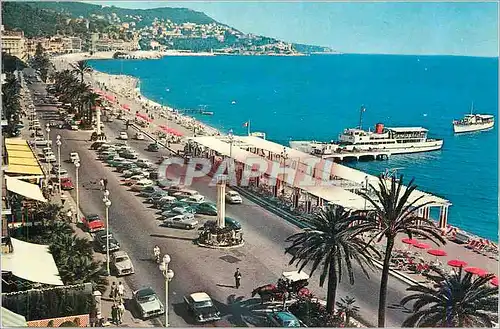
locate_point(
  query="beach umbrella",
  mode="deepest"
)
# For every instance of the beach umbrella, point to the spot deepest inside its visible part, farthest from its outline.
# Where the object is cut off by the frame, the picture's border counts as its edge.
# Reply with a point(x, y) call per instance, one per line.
point(475, 270)
point(126, 107)
point(437, 252)
point(494, 281)
point(422, 245)
point(409, 241)
point(457, 263)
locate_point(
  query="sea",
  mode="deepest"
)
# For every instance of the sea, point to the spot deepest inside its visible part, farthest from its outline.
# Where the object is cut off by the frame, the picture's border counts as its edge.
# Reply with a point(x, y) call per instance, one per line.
point(316, 97)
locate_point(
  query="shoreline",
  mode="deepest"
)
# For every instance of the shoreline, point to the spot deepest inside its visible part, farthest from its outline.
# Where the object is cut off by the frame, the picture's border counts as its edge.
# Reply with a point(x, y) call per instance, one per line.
point(173, 116)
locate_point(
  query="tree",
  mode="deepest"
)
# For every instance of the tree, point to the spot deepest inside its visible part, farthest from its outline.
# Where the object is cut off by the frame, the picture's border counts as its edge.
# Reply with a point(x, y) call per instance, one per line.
point(394, 213)
point(81, 68)
point(457, 301)
point(347, 307)
point(41, 62)
point(332, 241)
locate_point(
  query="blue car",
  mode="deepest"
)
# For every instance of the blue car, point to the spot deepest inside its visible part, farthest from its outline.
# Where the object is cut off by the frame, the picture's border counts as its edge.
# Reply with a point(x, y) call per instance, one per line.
point(283, 320)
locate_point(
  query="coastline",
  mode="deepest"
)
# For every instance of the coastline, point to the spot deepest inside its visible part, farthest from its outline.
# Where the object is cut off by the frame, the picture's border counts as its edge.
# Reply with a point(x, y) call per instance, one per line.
point(126, 86)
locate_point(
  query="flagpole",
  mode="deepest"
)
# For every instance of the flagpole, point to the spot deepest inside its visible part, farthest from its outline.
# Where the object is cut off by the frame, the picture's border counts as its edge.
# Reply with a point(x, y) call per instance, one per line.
point(248, 128)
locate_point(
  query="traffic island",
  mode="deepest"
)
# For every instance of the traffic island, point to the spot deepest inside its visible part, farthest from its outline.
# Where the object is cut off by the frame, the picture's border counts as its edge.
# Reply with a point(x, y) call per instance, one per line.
point(220, 238)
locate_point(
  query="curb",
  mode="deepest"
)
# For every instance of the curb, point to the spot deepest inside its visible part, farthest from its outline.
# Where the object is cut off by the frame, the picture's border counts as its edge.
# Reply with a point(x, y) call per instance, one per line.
point(223, 248)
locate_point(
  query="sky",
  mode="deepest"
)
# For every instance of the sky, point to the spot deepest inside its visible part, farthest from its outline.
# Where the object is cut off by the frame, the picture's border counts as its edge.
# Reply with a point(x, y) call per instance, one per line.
point(418, 28)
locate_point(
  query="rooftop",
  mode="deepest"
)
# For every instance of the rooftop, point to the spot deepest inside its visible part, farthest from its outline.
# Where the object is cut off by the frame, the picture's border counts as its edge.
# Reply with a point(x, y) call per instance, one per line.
point(200, 297)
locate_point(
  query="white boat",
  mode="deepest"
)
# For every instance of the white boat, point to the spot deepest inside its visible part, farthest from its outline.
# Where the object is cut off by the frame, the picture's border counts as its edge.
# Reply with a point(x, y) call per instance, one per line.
point(397, 140)
point(473, 122)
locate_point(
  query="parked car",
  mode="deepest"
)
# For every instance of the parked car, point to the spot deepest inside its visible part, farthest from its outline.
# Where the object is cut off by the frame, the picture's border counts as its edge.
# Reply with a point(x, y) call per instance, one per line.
point(192, 200)
point(171, 205)
point(50, 157)
point(152, 198)
point(186, 221)
point(144, 163)
point(128, 154)
point(100, 241)
point(123, 164)
point(149, 190)
point(202, 308)
point(233, 197)
point(126, 166)
point(164, 200)
point(42, 142)
point(228, 222)
point(283, 319)
point(147, 303)
point(206, 208)
point(116, 161)
point(153, 147)
point(189, 194)
point(123, 135)
point(97, 145)
point(121, 263)
point(140, 185)
point(67, 184)
point(93, 223)
point(165, 183)
point(73, 157)
point(135, 171)
point(139, 136)
point(55, 171)
point(134, 179)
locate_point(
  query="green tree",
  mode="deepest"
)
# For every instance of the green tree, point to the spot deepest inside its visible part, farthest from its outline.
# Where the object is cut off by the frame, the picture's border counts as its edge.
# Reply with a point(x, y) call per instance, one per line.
point(348, 307)
point(41, 62)
point(331, 241)
point(394, 213)
point(457, 301)
point(81, 68)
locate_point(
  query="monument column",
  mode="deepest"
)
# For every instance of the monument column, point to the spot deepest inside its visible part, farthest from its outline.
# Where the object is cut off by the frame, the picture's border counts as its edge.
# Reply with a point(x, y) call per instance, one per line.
point(221, 200)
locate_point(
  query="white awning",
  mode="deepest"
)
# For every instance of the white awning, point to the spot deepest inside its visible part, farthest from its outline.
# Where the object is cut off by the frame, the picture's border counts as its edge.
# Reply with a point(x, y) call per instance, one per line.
point(31, 191)
point(32, 262)
point(12, 320)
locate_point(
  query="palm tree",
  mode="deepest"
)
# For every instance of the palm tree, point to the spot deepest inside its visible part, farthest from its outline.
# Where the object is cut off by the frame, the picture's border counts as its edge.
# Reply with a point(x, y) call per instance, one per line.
point(458, 301)
point(347, 306)
point(331, 241)
point(395, 213)
point(81, 68)
point(90, 100)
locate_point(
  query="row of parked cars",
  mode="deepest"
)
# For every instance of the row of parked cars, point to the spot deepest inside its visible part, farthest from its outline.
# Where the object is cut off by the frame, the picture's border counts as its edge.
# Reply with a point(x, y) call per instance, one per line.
point(176, 204)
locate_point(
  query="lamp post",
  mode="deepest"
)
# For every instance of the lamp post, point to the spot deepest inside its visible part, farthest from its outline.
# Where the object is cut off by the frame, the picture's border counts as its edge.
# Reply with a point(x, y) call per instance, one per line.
point(107, 203)
point(366, 189)
point(58, 143)
point(231, 140)
point(168, 275)
point(284, 155)
point(47, 129)
point(77, 165)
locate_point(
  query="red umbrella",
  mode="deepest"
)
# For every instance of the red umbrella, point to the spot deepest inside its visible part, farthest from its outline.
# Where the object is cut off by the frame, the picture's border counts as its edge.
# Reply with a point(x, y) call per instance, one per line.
point(437, 252)
point(409, 241)
point(475, 270)
point(126, 107)
point(457, 263)
point(494, 281)
point(421, 245)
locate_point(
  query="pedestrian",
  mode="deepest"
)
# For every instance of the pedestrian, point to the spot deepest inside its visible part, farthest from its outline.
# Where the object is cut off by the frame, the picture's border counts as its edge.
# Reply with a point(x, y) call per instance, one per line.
point(237, 278)
point(101, 184)
point(121, 290)
point(113, 291)
point(114, 313)
point(121, 312)
point(70, 215)
point(105, 183)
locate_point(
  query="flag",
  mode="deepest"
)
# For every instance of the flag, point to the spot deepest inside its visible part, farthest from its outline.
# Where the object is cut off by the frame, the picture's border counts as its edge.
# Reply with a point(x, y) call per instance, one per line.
point(245, 124)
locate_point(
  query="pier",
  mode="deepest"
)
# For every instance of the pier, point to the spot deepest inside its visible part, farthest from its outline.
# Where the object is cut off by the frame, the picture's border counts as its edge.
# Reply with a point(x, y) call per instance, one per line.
point(357, 155)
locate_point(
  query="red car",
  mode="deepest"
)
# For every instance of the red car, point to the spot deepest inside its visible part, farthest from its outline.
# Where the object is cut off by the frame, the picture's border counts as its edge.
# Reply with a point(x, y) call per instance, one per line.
point(93, 223)
point(67, 184)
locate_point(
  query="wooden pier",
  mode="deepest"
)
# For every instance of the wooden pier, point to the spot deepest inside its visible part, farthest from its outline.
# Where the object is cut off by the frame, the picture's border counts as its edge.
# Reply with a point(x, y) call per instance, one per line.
point(358, 155)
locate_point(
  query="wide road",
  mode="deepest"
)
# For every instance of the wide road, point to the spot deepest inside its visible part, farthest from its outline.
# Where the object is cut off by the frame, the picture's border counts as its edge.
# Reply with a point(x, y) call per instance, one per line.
point(261, 260)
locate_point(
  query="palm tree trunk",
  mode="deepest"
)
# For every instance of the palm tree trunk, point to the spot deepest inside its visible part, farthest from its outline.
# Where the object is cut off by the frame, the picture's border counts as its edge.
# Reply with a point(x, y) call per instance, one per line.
point(382, 301)
point(332, 286)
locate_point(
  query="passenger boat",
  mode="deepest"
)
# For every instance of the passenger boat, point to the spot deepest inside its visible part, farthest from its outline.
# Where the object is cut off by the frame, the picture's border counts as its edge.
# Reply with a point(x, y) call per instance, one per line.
point(473, 122)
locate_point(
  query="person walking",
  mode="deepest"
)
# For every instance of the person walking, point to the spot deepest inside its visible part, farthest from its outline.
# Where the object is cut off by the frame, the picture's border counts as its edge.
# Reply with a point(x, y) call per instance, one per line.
point(114, 313)
point(105, 183)
point(237, 278)
point(121, 290)
point(113, 292)
point(101, 184)
point(121, 312)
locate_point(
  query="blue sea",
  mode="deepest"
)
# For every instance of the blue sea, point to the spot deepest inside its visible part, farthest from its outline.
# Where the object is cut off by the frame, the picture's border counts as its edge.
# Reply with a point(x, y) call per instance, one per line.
point(316, 97)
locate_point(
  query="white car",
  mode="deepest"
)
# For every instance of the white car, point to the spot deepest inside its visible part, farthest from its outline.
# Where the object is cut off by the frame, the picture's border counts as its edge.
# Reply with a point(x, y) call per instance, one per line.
point(121, 263)
point(233, 197)
point(46, 150)
point(42, 142)
point(74, 127)
point(140, 185)
point(74, 157)
point(139, 136)
point(50, 157)
point(123, 135)
point(144, 163)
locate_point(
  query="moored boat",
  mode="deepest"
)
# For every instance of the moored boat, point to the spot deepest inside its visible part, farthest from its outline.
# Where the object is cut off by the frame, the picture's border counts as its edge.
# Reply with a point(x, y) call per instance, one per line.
point(473, 122)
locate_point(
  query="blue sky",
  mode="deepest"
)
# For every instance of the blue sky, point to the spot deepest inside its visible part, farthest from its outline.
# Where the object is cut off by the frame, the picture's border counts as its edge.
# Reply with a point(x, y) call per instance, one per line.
point(451, 28)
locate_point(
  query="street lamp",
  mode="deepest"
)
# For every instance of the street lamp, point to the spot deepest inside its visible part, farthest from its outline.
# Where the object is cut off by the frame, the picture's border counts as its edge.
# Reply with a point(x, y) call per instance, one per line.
point(284, 155)
point(107, 203)
point(168, 275)
point(47, 129)
point(58, 143)
point(366, 189)
point(77, 165)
